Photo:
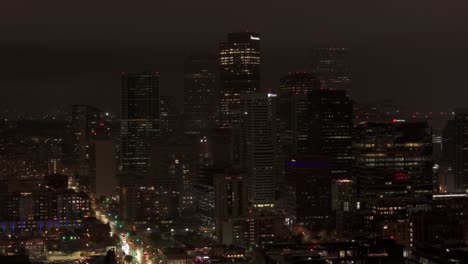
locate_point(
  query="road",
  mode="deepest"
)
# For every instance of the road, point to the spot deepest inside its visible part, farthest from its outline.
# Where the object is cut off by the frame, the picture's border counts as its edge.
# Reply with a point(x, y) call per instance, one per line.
point(143, 253)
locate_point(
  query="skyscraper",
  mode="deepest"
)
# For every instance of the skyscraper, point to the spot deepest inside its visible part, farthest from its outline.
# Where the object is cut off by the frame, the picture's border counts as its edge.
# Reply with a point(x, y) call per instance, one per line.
point(308, 183)
point(104, 161)
point(456, 147)
point(257, 148)
point(293, 110)
point(140, 118)
point(85, 119)
point(332, 67)
point(297, 83)
point(230, 201)
point(175, 165)
point(239, 72)
point(330, 128)
point(392, 172)
point(235, 224)
point(169, 120)
point(389, 157)
point(200, 93)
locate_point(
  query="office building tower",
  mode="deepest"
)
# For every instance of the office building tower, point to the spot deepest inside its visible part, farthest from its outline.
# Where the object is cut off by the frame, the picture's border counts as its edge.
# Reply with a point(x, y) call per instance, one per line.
point(200, 93)
point(392, 173)
point(332, 66)
point(175, 163)
point(293, 107)
point(330, 128)
point(143, 205)
point(129, 196)
point(104, 161)
point(230, 188)
point(258, 148)
point(140, 119)
point(389, 157)
point(222, 147)
point(297, 83)
point(300, 125)
point(309, 191)
point(449, 136)
point(84, 119)
point(169, 115)
point(455, 148)
point(239, 72)
point(235, 223)
point(204, 195)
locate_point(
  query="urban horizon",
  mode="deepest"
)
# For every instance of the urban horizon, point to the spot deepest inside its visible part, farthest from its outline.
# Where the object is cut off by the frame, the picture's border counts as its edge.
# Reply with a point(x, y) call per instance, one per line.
point(323, 133)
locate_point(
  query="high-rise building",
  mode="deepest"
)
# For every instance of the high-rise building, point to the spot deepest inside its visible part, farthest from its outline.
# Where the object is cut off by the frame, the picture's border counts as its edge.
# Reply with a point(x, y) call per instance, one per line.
point(300, 125)
point(235, 223)
point(144, 205)
point(104, 161)
point(293, 111)
point(389, 157)
point(175, 163)
point(297, 83)
point(84, 119)
point(222, 147)
point(309, 190)
point(258, 148)
point(129, 196)
point(169, 114)
point(332, 67)
point(455, 148)
point(449, 135)
point(200, 92)
point(392, 173)
point(239, 72)
point(330, 128)
point(140, 119)
point(205, 199)
point(230, 188)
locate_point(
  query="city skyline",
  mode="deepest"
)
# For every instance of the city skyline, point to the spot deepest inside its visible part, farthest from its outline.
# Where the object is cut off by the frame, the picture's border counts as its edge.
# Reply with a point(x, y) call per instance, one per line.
point(234, 132)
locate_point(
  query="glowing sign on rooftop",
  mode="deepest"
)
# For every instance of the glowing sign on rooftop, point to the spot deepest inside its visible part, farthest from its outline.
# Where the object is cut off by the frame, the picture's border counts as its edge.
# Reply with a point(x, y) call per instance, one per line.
point(254, 38)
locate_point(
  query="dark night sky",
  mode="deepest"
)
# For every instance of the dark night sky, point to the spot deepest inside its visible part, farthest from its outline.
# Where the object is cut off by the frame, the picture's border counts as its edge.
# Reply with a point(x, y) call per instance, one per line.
point(59, 52)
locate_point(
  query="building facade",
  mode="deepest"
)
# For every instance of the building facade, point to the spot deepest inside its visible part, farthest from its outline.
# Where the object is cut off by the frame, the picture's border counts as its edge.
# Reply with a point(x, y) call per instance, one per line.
point(332, 67)
point(239, 72)
point(258, 151)
point(200, 93)
point(140, 117)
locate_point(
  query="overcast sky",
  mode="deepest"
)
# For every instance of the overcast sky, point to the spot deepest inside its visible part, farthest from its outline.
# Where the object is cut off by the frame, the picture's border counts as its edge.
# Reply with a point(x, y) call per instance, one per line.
point(64, 52)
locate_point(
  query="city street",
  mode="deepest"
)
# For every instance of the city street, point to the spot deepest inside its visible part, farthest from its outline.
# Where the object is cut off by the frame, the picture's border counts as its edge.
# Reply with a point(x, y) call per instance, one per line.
point(139, 247)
